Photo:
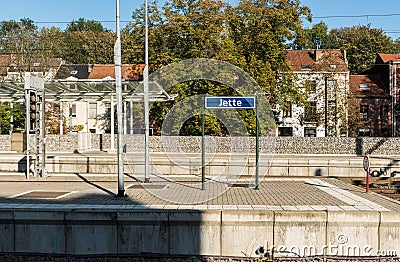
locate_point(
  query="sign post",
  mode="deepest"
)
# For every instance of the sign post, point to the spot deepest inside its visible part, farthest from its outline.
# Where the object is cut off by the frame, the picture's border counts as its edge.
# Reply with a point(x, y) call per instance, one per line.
point(366, 163)
point(225, 102)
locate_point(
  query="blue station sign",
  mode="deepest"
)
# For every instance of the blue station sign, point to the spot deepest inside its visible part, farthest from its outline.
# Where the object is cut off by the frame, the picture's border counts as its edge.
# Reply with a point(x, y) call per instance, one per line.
point(222, 102)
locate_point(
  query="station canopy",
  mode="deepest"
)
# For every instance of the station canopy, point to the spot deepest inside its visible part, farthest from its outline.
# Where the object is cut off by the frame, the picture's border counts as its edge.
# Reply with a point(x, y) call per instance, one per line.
point(85, 90)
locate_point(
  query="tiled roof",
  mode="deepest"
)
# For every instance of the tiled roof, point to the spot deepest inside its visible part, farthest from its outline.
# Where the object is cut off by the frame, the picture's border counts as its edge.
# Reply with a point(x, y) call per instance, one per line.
point(390, 57)
point(317, 60)
point(5, 61)
point(76, 71)
point(128, 71)
point(373, 85)
point(42, 65)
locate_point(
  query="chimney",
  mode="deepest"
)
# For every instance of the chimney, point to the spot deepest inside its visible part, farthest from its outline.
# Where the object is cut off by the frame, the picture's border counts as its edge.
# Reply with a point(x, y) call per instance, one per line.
point(318, 54)
point(345, 57)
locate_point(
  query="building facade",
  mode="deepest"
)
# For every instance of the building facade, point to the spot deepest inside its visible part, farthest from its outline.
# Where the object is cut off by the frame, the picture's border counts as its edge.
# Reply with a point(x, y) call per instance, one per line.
point(323, 75)
point(370, 107)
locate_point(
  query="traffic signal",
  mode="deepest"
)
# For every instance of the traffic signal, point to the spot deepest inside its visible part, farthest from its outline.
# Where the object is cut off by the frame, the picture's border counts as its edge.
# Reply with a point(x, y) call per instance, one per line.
point(33, 110)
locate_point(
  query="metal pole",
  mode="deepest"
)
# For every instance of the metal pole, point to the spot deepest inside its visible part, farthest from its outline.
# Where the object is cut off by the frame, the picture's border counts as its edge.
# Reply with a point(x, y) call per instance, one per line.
point(112, 124)
point(70, 116)
point(118, 84)
point(43, 133)
point(131, 117)
point(27, 127)
point(11, 117)
point(257, 144)
point(61, 119)
point(326, 106)
point(202, 145)
point(146, 98)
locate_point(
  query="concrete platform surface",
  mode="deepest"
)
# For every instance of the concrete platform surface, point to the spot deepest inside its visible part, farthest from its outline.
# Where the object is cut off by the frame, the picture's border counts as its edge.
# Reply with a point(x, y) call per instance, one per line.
point(98, 192)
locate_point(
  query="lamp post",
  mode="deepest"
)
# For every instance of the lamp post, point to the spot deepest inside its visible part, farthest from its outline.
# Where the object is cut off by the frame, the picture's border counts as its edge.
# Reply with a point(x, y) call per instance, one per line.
point(146, 97)
point(118, 91)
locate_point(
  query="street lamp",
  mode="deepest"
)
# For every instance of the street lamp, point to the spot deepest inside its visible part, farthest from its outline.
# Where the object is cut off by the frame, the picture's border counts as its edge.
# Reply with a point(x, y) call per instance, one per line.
point(146, 97)
point(118, 91)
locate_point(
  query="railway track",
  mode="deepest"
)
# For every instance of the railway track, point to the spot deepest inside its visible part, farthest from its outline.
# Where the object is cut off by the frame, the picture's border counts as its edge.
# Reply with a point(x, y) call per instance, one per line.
point(387, 186)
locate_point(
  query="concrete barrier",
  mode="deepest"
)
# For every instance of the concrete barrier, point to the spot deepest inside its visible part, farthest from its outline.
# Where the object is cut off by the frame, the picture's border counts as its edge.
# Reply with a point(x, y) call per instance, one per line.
point(221, 164)
point(353, 233)
point(226, 233)
point(41, 232)
point(195, 232)
point(91, 232)
point(143, 231)
point(246, 231)
point(389, 233)
point(299, 232)
point(7, 231)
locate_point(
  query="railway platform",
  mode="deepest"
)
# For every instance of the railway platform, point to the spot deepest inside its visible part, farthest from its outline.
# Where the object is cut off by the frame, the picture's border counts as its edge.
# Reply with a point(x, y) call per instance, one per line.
point(79, 214)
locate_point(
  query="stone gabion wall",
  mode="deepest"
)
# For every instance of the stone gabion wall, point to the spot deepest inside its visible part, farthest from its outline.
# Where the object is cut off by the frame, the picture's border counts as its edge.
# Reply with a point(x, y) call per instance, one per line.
point(192, 144)
point(61, 143)
point(272, 145)
point(5, 143)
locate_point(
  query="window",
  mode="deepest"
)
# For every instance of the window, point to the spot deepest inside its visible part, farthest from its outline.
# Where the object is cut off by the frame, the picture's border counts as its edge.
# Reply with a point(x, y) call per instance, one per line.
point(384, 112)
point(363, 86)
point(107, 106)
point(287, 112)
point(310, 112)
point(310, 131)
point(364, 132)
point(285, 131)
point(92, 110)
point(313, 86)
point(73, 110)
point(305, 66)
point(364, 112)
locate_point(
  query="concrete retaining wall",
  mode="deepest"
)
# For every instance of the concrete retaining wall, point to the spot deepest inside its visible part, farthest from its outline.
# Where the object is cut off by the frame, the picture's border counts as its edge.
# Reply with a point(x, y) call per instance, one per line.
point(226, 233)
point(219, 165)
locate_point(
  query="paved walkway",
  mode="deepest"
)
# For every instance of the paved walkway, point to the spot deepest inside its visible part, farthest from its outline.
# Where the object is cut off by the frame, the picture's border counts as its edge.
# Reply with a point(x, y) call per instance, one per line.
point(98, 192)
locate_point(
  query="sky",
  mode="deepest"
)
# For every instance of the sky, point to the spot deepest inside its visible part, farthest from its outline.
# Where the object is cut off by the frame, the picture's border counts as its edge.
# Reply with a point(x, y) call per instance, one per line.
point(384, 14)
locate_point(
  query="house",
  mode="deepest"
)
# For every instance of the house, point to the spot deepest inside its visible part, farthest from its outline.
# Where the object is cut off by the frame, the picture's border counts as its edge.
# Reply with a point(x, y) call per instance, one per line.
point(370, 106)
point(323, 75)
point(387, 66)
point(94, 115)
point(12, 71)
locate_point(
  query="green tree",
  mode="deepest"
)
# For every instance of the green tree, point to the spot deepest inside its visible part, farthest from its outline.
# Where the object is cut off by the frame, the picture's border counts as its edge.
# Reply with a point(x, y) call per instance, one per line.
point(261, 31)
point(315, 37)
point(252, 35)
point(5, 118)
point(85, 25)
point(22, 41)
point(87, 42)
point(362, 44)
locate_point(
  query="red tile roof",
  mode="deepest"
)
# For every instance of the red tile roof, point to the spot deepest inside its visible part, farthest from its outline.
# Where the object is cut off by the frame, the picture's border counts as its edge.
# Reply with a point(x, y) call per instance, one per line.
point(374, 82)
point(302, 60)
point(108, 70)
point(390, 57)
